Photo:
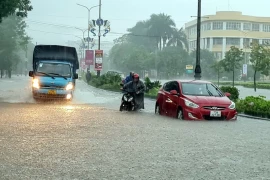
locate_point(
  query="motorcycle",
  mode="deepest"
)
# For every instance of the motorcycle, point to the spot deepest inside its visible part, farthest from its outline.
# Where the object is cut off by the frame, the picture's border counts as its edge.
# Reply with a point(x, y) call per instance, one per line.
point(127, 102)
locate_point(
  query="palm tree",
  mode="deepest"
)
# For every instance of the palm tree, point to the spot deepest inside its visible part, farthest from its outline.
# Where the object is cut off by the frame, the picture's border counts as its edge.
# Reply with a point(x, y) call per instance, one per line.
point(161, 26)
point(179, 39)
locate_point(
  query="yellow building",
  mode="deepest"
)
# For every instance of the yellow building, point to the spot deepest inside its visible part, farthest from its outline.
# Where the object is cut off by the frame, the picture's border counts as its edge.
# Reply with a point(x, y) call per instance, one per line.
point(229, 28)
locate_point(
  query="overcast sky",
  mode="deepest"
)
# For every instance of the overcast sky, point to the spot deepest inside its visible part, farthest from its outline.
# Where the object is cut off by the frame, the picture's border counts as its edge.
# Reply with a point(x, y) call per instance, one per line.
point(51, 21)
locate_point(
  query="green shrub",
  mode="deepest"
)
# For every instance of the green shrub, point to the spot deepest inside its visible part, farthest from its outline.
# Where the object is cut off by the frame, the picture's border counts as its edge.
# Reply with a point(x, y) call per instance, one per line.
point(150, 85)
point(152, 93)
point(254, 106)
point(259, 85)
point(232, 90)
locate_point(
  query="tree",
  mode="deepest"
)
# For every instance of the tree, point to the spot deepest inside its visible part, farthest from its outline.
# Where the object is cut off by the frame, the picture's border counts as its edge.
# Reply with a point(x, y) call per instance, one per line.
point(9, 7)
point(13, 40)
point(232, 60)
point(161, 26)
point(138, 49)
point(172, 61)
point(217, 67)
point(207, 60)
point(179, 38)
point(260, 59)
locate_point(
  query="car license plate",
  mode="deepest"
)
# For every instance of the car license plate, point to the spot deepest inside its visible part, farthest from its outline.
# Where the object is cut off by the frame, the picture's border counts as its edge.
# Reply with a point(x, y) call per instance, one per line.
point(215, 113)
point(52, 92)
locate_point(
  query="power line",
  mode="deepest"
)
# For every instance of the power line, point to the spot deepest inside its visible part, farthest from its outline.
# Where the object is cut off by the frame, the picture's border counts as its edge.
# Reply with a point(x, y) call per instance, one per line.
point(50, 24)
point(68, 17)
point(110, 33)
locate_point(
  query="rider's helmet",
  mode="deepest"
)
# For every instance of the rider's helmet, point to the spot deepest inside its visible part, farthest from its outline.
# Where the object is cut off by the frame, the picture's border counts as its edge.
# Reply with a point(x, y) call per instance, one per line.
point(136, 77)
point(131, 74)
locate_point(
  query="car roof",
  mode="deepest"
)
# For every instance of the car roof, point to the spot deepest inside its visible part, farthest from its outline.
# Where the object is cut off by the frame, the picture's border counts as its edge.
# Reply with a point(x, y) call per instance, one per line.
point(191, 81)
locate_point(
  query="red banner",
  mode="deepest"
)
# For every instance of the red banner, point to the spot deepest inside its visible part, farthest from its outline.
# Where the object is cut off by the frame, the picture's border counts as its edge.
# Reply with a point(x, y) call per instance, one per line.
point(98, 59)
point(89, 57)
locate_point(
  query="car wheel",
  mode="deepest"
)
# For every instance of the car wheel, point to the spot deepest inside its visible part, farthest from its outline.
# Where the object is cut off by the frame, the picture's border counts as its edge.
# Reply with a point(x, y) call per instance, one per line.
point(180, 114)
point(157, 109)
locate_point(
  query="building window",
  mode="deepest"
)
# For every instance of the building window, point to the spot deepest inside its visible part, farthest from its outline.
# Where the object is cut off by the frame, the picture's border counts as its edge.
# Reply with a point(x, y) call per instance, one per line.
point(266, 27)
point(208, 43)
point(218, 55)
point(208, 26)
point(192, 31)
point(192, 44)
point(255, 41)
point(256, 27)
point(233, 41)
point(233, 25)
point(266, 41)
point(217, 41)
point(217, 25)
point(246, 42)
point(247, 27)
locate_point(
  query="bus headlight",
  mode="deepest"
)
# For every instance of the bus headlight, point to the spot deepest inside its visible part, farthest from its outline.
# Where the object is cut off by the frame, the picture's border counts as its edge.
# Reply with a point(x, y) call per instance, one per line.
point(69, 86)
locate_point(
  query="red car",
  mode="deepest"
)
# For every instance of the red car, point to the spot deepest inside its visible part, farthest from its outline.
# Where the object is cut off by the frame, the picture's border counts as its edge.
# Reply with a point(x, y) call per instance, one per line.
point(194, 100)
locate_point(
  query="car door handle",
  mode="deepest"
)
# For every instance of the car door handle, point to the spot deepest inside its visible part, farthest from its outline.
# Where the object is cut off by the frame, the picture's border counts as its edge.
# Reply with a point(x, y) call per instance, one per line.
point(168, 101)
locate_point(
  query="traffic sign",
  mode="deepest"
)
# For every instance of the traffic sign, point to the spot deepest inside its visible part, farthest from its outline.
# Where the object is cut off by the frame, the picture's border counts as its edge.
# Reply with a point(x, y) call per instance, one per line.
point(245, 69)
point(99, 22)
point(189, 69)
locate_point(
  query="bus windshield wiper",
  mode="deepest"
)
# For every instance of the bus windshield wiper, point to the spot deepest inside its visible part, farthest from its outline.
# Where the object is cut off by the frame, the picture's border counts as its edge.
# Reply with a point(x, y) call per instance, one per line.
point(59, 75)
point(46, 74)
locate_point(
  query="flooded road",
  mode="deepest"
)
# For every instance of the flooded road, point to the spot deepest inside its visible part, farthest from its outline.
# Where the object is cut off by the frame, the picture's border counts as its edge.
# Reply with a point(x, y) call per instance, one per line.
point(89, 138)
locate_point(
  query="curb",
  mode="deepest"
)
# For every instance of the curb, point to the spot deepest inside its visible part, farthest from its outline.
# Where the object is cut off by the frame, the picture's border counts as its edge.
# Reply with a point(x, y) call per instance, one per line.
point(253, 117)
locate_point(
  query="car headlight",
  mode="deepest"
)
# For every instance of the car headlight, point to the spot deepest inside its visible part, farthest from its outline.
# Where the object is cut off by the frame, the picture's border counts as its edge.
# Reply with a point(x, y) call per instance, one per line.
point(69, 86)
point(190, 104)
point(35, 83)
point(232, 106)
point(130, 99)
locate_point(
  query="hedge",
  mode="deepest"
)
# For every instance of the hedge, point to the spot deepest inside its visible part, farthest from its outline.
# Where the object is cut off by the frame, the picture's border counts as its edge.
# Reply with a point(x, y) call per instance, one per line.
point(112, 83)
point(259, 85)
point(254, 106)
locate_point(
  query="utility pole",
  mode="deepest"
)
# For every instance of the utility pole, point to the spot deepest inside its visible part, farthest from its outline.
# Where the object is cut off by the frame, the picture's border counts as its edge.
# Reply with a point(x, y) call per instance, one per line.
point(99, 34)
point(198, 50)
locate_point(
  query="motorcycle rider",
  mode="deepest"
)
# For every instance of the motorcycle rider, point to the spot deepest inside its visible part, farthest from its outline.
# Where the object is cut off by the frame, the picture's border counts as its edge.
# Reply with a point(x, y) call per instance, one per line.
point(138, 86)
point(128, 78)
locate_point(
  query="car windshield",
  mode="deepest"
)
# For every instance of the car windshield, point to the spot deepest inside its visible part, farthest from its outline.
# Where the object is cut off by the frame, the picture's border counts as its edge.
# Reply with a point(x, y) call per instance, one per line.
point(54, 69)
point(201, 89)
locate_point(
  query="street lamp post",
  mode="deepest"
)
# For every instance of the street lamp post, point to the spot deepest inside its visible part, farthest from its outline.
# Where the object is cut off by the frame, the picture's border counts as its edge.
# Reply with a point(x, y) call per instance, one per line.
point(83, 31)
point(198, 50)
point(99, 17)
point(89, 9)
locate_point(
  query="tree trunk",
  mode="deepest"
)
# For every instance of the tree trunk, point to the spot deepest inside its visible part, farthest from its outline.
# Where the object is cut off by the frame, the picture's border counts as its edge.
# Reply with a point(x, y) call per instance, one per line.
point(9, 74)
point(218, 77)
point(233, 78)
point(255, 72)
point(1, 72)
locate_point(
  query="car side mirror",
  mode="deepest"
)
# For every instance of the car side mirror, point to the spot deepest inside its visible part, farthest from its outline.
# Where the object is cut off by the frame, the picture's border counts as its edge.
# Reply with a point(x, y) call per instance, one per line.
point(227, 94)
point(76, 76)
point(31, 73)
point(173, 92)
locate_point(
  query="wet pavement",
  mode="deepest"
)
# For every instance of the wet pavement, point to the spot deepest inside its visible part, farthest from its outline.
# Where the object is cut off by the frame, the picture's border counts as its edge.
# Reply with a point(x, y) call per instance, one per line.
point(89, 138)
